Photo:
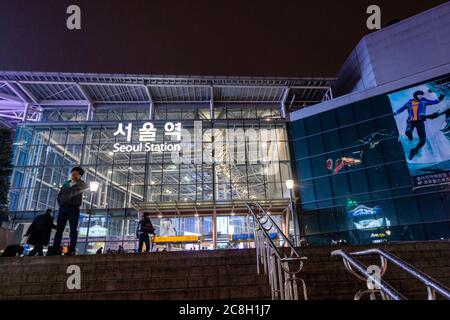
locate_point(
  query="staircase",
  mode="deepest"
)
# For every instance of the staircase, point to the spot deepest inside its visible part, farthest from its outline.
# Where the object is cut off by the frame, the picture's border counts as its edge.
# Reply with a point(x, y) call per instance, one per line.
point(327, 278)
point(224, 274)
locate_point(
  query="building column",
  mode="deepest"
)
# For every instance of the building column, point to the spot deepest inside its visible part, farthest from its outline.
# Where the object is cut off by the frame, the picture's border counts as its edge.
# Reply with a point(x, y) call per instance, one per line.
point(90, 110)
point(211, 104)
point(214, 228)
point(283, 103)
point(25, 112)
point(150, 111)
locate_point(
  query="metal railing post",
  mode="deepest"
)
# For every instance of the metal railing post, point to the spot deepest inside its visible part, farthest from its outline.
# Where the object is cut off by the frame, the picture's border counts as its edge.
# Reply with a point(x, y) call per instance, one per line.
point(385, 290)
point(276, 263)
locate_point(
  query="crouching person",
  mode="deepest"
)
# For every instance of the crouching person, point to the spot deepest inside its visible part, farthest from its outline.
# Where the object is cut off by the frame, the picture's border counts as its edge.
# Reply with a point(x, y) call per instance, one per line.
point(39, 232)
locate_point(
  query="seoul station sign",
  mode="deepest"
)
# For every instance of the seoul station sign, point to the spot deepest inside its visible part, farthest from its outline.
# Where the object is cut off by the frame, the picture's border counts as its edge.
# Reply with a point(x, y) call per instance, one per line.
point(228, 145)
point(147, 137)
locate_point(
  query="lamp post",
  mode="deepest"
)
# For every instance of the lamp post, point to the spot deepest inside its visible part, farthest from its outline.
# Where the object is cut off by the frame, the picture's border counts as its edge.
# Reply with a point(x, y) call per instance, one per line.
point(93, 187)
point(290, 187)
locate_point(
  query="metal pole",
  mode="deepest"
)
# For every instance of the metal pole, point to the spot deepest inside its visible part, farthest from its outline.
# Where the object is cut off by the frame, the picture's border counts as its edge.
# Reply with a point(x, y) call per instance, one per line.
point(25, 112)
point(211, 103)
point(214, 231)
point(89, 224)
point(89, 112)
point(150, 111)
point(291, 208)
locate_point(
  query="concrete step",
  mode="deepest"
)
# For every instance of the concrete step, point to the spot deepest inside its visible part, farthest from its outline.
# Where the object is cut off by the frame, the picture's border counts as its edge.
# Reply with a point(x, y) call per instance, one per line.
point(137, 273)
point(126, 284)
point(223, 274)
point(347, 289)
point(261, 292)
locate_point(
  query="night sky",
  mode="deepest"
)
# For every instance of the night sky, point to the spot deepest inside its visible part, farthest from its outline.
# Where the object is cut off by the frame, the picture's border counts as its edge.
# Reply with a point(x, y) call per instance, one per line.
point(192, 37)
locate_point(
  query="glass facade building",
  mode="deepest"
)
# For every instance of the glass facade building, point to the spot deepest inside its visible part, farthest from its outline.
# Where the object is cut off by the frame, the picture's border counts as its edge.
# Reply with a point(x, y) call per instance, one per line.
point(194, 151)
point(255, 135)
point(371, 199)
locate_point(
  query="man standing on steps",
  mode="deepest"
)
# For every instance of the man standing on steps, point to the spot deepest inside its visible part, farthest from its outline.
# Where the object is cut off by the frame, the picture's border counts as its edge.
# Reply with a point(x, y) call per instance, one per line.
point(144, 229)
point(70, 198)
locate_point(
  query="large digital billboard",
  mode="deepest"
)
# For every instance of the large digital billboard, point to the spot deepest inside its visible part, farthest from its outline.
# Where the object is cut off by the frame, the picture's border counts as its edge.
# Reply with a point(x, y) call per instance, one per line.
point(422, 114)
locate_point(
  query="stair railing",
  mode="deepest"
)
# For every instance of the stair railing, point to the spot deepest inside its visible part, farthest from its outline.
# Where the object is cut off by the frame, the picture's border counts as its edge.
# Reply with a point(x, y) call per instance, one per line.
point(282, 268)
point(375, 283)
point(385, 290)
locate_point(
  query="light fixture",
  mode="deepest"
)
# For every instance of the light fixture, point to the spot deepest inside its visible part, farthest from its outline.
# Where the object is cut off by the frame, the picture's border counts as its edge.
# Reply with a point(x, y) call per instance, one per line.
point(111, 153)
point(93, 186)
point(290, 184)
point(160, 216)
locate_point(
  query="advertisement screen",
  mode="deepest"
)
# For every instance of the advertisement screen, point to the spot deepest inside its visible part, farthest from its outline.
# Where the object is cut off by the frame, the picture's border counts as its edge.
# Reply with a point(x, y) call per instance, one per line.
point(422, 114)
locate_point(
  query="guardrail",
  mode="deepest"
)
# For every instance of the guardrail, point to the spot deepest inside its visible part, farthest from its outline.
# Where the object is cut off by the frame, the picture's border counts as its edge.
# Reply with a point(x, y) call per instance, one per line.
point(282, 268)
point(378, 284)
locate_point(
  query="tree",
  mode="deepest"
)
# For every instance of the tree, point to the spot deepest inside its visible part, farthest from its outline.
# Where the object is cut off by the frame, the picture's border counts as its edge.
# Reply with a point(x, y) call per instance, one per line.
point(6, 155)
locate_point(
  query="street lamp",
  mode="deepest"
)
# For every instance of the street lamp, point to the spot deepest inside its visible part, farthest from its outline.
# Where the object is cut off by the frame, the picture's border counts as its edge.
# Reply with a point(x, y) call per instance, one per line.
point(290, 184)
point(290, 187)
point(93, 187)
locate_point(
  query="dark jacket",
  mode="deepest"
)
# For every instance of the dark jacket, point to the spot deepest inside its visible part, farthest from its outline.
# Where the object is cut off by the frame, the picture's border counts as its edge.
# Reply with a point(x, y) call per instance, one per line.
point(417, 108)
point(71, 196)
point(144, 227)
point(40, 230)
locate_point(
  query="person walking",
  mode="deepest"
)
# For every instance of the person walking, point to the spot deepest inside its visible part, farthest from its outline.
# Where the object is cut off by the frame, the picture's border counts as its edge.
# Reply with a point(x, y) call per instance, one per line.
point(70, 198)
point(144, 229)
point(39, 232)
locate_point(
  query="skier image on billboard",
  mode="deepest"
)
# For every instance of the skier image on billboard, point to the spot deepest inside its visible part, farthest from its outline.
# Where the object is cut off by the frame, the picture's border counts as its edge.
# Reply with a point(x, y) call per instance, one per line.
point(422, 114)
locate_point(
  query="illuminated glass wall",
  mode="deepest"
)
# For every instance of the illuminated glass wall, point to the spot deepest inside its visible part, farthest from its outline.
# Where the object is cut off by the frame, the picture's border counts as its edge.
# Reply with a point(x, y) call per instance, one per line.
point(354, 182)
point(45, 152)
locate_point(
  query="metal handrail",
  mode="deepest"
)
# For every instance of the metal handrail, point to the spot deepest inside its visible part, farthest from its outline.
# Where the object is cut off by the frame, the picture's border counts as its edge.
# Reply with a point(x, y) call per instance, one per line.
point(281, 268)
point(432, 285)
point(380, 286)
point(285, 239)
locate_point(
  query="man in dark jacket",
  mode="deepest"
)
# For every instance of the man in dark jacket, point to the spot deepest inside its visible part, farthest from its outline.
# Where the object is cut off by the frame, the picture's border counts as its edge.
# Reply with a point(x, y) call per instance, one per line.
point(70, 198)
point(39, 232)
point(144, 229)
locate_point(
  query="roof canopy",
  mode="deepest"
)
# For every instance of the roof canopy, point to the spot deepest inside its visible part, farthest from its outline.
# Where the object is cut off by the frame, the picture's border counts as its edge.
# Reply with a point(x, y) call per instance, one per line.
point(24, 94)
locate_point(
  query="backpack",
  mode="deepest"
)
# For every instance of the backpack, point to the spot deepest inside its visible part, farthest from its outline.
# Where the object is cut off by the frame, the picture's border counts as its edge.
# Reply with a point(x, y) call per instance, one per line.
point(147, 227)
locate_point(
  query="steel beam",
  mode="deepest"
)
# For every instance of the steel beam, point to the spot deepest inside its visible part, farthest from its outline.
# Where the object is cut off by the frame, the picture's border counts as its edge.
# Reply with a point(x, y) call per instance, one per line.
point(27, 92)
point(83, 92)
point(211, 103)
point(283, 102)
point(151, 103)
